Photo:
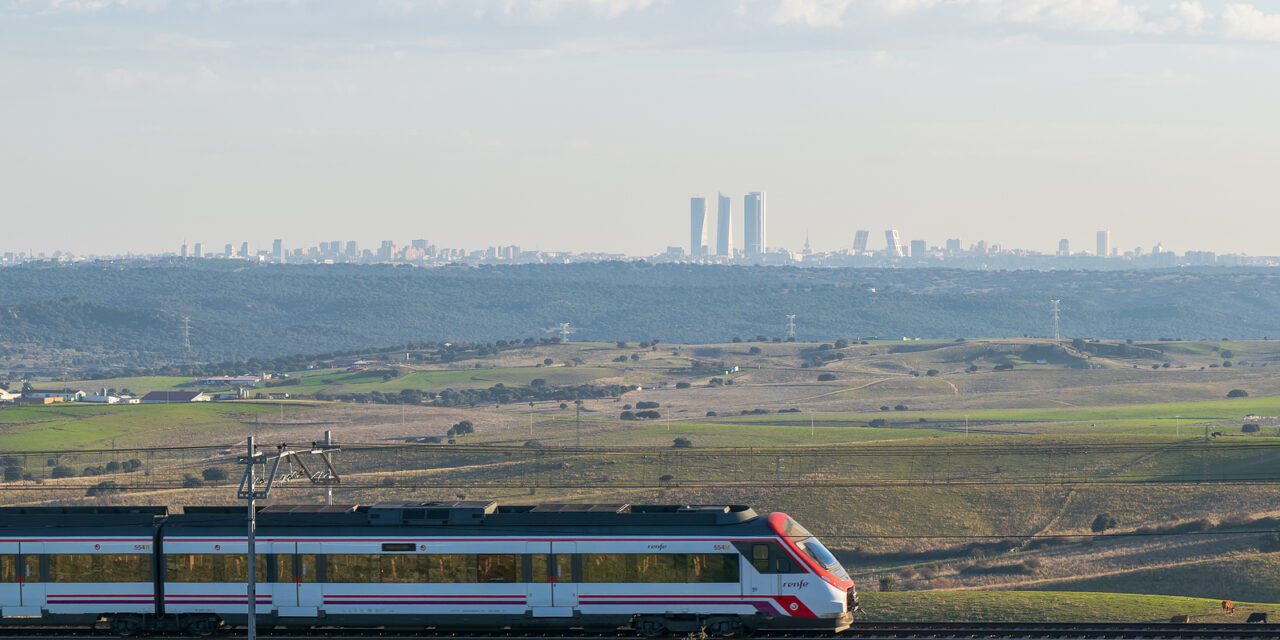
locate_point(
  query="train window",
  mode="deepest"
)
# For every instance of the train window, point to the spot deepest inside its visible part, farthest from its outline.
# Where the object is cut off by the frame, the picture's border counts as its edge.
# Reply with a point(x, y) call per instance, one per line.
point(451, 568)
point(99, 567)
point(214, 567)
point(713, 567)
point(8, 568)
point(398, 546)
point(351, 567)
point(665, 567)
point(498, 568)
point(283, 568)
point(402, 568)
point(760, 557)
point(538, 568)
point(31, 569)
point(308, 569)
point(564, 568)
point(654, 567)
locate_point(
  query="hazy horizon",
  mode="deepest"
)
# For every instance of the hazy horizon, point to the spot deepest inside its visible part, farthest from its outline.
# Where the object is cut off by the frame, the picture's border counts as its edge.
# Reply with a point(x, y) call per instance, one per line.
point(586, 125)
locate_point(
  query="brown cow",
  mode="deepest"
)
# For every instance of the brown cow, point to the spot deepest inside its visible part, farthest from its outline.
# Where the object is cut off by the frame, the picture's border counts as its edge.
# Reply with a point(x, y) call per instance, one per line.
point(1229, 607)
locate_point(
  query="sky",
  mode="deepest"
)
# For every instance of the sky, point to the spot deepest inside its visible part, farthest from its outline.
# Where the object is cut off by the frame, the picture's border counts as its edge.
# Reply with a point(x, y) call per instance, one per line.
point(586, 125)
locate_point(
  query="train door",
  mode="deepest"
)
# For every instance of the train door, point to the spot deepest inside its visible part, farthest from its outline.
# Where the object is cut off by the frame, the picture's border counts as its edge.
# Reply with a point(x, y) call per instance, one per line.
point(10, 585)
point(564, 589)
point(33, 594)
point(307, 578)
point(761, 577)
point(284, 585)
point(540, 580)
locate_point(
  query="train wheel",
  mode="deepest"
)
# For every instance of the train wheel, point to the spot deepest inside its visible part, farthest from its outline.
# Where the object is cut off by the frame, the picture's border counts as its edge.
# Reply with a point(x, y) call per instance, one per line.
point(127, 626)
point(651, 627)
point(202, 627)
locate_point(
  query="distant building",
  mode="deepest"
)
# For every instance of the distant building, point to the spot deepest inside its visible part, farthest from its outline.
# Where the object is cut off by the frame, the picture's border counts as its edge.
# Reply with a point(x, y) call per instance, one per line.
point(698, 226)
point(1064, 247)
point(919, 248)
point(102, 396)
point(199, 250)
point(277, 250)
point(893, 243)
point(230, 380)
point(9, 396)
point(353, 249)
point(183, 252)
point(174, 397)
point(61, 395)
point(953, 245)
point(724, 225)
point(244, 249)
point(1104, 244)
point(860, 241)
point(754, 221)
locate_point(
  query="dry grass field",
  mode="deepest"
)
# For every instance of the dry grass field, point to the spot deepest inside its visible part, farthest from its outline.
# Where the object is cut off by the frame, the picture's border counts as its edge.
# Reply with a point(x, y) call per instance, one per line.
point(925, 450)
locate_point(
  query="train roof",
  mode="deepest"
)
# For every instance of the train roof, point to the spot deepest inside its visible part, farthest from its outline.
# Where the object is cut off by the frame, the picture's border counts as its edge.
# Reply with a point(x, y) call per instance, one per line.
point(446, 517)
point(464, 517)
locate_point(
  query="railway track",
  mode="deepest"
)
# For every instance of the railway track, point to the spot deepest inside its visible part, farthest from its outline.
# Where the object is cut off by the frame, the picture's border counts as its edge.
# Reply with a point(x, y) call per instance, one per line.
point(865, 631)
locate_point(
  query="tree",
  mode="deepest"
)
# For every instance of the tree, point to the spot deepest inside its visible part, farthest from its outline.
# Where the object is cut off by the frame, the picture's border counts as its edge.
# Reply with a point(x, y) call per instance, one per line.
point(682, 443)
point(538, 382)
point(842, 343)
point(826, 377)
point(1250, 427)
point(191, 482)
point(878, 422)
point(711, 414)
point(932, 372)
point(666, 477)
point(62, 472)
point(1227, 354)
point(899, 407)
point(683, 385)
point(462, 428)
point(1237, 393)
point(648, 415)
point(621, 344)
point(214, 474)
point(12, 473)
point(1103, 522)
point(755, 351)
point(884, 407)
point(627, 415)
point(546, 362)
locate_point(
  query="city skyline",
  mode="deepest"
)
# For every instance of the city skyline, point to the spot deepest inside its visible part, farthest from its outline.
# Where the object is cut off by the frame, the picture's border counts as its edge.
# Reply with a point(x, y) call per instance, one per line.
point(988, 120)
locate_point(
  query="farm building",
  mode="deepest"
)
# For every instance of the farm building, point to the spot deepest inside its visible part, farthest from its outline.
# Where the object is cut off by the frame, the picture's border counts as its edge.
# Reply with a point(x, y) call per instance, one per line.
point(171, 397)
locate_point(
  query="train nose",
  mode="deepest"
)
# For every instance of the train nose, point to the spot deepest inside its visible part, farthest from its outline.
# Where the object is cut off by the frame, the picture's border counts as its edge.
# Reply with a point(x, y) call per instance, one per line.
point(851, 600)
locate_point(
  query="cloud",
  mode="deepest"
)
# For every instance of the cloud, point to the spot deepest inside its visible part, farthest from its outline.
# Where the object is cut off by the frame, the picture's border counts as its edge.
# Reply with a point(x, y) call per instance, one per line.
point(811, 13)
point(546, 8)
point(1247, 22)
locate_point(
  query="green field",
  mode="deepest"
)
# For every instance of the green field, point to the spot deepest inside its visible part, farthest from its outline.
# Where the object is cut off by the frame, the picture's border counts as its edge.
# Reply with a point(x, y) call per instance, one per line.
point(77, 426)
point(1033, 606)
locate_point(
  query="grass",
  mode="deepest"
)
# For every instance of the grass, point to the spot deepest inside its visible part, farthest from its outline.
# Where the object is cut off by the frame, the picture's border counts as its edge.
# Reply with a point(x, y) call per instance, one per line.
point(1044, 606)
point(335, 381)
point(78, 426)
point(1248, 578)
point(139, 385)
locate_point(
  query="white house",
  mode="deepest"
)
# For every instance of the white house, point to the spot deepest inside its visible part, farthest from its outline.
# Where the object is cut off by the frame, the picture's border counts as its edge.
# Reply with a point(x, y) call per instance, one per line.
point(67, 395)
point(9, 396)
point(102, 397)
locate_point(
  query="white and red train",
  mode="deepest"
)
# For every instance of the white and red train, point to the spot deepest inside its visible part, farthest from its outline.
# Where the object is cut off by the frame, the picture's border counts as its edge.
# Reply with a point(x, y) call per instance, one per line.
point(655, 568)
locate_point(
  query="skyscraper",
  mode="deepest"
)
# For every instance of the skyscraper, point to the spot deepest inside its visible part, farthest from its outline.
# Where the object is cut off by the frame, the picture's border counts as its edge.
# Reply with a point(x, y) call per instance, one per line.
point(724, 225)
point(953, 245)
point(199, 250)
point(277, 250)
point(1064, 247)
point(860, 241)
point(919, 248)
point(698, 226)
point(1104, 244)
point(893, 243)
point(184, 249)
point(244, 249)
point(753, 224)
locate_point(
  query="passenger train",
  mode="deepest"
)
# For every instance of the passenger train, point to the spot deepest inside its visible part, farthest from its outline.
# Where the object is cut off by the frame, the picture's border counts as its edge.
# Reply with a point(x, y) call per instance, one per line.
point(657, 569)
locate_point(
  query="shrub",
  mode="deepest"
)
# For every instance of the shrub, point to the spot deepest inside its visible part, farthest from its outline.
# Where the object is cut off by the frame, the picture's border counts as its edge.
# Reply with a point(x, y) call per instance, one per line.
point(1237, 393)
point(1103, 522)
point(932, 372)
point(62, 472)
point(532, 444)
point(683, 385)
point(191, 482)
point(1270, 542)
point(755, 351)
point(12, 474)
point(899, 407)
point(884, 407)
point(647, 405)
point(627, 415)
point(1003, 367)
point(826, 377)
point(682, 443)
point(648, 415)
point(102, 488)
point(666, 477)
point(388, 481)
point(878, 422)
point(214, 474)
point(711, 414)
point(1251, 427)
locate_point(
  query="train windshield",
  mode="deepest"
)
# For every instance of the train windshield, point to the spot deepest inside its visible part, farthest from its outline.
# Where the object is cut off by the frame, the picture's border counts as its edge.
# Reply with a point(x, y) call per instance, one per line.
point(823, 557)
